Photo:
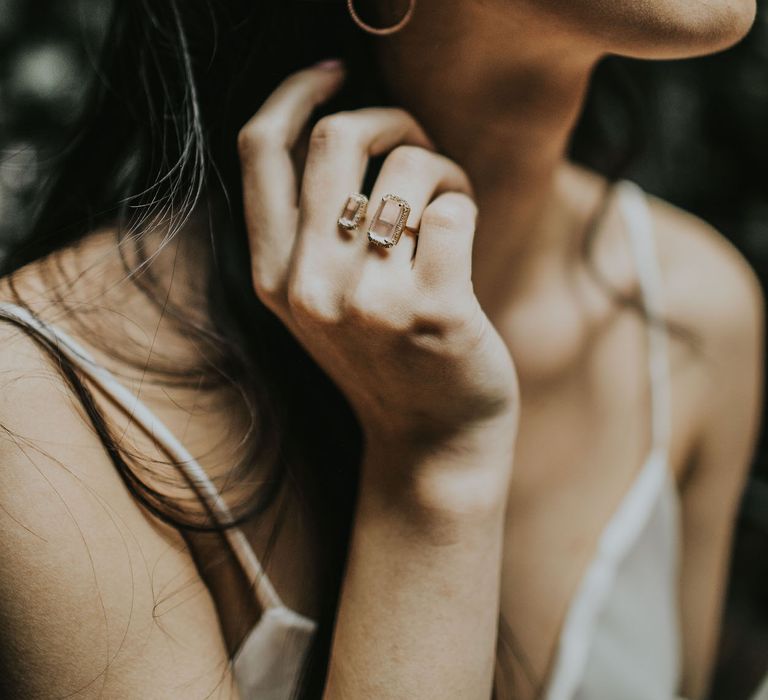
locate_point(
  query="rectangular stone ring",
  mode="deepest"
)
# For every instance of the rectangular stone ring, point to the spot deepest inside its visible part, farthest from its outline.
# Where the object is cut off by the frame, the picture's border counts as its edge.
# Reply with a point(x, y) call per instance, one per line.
point(390, 220)
point(354, 211)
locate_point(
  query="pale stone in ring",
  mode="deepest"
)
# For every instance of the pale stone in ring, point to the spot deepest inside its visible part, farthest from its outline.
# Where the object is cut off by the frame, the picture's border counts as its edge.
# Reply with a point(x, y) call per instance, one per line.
point(389, 223)
point(354, 211)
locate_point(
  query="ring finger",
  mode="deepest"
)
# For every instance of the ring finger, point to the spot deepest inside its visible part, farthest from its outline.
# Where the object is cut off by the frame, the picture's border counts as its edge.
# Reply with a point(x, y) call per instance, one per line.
point(340, 148)
point(415, 176)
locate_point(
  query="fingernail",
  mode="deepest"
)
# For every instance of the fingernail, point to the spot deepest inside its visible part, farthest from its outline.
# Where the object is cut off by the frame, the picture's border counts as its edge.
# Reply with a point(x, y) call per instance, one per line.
point(330, 64)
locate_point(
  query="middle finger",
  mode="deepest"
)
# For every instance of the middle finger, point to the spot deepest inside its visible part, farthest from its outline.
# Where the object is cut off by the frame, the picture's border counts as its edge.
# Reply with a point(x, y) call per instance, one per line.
point(341, 146)
point(416, 176)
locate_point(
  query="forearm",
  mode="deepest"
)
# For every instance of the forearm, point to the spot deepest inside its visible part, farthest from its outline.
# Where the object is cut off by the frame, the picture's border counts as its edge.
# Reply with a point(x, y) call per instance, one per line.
point(419, 607)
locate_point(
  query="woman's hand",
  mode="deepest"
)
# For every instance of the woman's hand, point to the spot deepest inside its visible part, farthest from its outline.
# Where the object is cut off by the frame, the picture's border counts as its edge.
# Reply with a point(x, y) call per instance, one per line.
point(399, 330)
point(402, 334)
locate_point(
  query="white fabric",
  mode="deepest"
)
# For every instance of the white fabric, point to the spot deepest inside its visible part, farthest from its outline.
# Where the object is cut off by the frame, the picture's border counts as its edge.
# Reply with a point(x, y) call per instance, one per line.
point(268, 662)
point(762, 691)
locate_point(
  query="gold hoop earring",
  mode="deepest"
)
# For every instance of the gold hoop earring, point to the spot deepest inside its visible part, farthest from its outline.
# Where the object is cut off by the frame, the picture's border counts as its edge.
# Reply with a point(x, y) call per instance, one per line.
point(381, 31)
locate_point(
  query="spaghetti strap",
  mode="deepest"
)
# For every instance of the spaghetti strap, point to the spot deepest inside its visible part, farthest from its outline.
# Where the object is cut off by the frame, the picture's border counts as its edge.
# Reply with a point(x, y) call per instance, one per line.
point(156, 429)
point(639, 223)
point(627, 525)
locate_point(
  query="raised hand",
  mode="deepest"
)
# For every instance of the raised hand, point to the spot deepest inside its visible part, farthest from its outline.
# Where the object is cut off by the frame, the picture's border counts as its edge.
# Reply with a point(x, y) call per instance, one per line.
point(399, 330)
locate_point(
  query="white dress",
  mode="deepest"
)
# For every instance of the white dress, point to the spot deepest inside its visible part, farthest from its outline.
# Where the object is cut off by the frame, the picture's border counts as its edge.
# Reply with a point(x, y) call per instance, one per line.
point(621, 637)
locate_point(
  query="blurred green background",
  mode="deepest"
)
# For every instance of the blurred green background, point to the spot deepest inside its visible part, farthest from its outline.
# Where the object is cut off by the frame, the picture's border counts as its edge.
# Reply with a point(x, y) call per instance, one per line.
point(704, 127)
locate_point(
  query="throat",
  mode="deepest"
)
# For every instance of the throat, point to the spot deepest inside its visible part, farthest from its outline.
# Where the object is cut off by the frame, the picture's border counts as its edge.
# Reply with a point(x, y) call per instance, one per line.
point(504, 111)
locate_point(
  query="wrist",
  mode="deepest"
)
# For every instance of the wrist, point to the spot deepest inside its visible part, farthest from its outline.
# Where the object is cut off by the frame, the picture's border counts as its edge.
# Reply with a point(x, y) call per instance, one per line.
point(462, 475)
point(416, 439)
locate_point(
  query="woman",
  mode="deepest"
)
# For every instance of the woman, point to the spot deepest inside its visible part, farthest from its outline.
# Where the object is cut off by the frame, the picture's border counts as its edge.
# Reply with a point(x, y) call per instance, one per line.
point(522, 476)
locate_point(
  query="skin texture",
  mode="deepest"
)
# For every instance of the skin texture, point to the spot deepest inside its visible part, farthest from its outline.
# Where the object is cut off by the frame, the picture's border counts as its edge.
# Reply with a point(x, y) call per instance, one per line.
point(525, 101)
point(470, 496)
point(650, 28)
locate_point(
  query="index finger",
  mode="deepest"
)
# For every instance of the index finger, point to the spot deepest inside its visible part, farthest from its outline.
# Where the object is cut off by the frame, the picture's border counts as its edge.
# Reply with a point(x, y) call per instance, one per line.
point(266, 139)
point(287, 110)
point(270, 192)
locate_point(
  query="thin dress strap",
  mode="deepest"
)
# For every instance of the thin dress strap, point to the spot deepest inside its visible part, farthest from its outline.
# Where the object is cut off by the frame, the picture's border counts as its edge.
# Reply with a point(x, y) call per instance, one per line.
point(631, 516)
point(639, 222)
point(156, 429)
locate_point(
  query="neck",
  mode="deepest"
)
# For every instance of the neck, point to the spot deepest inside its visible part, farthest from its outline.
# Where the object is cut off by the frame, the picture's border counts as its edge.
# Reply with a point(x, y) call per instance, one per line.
point(500, 96)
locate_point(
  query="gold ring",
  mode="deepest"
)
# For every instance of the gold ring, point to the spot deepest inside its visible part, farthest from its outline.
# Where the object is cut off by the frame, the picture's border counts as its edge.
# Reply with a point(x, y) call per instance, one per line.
point(354, 211)
point(390, 220)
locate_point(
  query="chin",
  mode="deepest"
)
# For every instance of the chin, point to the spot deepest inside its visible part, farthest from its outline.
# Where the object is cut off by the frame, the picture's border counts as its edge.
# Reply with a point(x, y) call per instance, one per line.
point(651, 29)
point(683, 28)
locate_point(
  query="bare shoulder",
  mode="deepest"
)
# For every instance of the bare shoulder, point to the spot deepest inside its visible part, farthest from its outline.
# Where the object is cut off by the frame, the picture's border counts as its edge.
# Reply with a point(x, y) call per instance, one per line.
point(713, 291)
point(708, 280)
point(708, 284)
point(96, 599)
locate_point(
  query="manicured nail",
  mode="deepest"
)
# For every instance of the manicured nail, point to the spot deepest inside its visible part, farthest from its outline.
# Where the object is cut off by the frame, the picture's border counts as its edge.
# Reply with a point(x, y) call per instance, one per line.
point(330, 64)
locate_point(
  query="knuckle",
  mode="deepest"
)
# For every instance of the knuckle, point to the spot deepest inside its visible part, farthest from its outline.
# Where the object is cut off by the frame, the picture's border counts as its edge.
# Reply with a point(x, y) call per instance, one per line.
point(332, 130)
point(452, 211)
point(409, 158)
point(310, 302)
point(442, 329)
point(268, 289)
point(439, 314)
point(369, 309)
point(255, 136)
point(358, 306)
point(409, 121)
point(401, 113)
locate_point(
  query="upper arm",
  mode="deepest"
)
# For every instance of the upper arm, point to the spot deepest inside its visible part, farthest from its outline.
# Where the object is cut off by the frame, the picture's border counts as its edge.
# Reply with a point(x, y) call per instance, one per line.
point(96, 599)
point(724, 304)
